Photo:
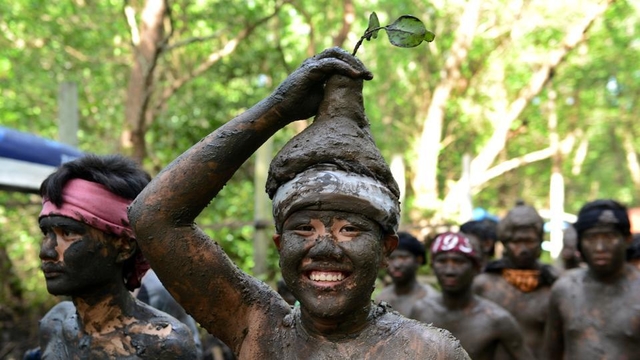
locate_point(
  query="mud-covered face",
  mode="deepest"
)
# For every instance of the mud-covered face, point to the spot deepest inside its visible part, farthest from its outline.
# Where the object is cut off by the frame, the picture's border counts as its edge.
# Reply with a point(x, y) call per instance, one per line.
point(330, 260)
point(524, 247)
point(604, 249)
point(455, 271)
point(403, 266)
point(75, 257)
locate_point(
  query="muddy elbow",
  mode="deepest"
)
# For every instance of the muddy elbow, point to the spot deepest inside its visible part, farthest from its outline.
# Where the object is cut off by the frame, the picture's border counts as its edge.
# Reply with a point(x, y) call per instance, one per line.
point(134, 213)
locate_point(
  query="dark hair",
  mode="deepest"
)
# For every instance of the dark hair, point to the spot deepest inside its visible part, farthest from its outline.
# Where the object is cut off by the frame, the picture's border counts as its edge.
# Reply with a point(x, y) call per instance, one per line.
point(119, 174)
point(411, 244)
point(483, 229)
point(480, 228)
point(603, 212)
point(633, 251)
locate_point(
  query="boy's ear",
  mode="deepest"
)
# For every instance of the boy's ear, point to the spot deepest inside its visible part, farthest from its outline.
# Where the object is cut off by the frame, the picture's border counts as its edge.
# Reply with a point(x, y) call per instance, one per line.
point(126, 247)
point(276, 240)
point(390, 243)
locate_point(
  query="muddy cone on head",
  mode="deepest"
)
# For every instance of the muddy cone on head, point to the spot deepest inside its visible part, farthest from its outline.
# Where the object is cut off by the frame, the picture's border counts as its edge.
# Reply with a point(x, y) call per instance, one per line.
point(334, 163)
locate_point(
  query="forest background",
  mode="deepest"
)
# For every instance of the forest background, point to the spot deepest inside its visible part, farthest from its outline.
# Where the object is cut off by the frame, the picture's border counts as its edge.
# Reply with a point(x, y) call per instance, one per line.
point(511, 97)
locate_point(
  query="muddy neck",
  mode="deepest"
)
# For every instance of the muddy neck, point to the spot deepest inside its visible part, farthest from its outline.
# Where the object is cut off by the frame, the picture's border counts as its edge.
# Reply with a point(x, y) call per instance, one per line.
point(407, 287)
point(105, 311)
point(457, 300)
point(336, 329)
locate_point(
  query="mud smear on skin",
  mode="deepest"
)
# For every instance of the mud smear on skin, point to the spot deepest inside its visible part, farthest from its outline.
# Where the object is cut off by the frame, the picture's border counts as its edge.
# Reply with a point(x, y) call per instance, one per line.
point(339, 135)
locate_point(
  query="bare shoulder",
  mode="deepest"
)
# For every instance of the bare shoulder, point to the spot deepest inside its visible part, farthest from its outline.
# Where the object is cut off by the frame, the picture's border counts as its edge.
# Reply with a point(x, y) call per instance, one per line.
point(385, 294)
point(484, 281)
point(499, 317)
point(425, 309)
point(569, 280)
point(429, 290)
point(154, 321)
point(424, 341)
point(57, 315)
point(62, 309)
point(161, 336)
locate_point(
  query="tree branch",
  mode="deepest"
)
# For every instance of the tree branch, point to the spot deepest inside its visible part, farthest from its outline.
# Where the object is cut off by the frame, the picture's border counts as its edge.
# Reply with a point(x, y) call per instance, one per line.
point(479, 180)
point(538, 80)
point(212, 59)
point(347, 22)
point(130, 16)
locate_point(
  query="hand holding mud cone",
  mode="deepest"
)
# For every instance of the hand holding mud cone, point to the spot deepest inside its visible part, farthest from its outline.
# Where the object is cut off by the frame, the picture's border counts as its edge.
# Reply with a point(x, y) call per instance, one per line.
point(299, 96)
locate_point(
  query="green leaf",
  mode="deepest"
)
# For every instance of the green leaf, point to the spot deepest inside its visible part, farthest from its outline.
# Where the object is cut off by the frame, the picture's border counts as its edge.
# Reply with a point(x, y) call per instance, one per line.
point(429, 36)
point(374, 23)
point(406, 31)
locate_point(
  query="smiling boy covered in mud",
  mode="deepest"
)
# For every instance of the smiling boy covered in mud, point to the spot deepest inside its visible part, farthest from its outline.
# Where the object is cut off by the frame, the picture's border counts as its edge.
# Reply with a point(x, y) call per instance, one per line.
point(336, 212)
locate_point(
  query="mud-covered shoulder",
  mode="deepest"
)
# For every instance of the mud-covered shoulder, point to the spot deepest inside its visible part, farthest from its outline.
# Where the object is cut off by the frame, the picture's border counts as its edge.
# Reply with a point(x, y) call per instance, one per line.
point(568, 280)
point(483, 281)
point(385, 294)
point(163, 337)
point(427, 341)
point(495, 312)
point(56, 316)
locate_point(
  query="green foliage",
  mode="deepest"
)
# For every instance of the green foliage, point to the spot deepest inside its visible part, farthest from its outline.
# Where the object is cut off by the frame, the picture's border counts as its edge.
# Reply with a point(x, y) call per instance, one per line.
point(406, 31)
point(45, 43)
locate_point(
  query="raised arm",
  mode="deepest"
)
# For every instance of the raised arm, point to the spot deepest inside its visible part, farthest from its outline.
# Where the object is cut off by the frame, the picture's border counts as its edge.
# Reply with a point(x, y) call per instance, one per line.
point(193, 268)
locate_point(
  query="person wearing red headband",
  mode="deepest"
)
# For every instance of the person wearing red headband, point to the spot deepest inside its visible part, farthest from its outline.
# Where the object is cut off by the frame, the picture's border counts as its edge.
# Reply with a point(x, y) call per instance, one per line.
point(479, 324)
point(593, 311)
point(89, 253)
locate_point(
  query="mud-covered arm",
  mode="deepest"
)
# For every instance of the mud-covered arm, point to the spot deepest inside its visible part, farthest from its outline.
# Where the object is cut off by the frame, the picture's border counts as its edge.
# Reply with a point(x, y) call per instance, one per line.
point(194, 269)
point(511, 337)
point(554, 329)
point(480, 284)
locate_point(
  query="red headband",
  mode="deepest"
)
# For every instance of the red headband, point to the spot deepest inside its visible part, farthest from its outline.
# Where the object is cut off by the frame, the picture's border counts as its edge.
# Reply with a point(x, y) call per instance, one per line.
point(93, 204)
point(450, 241)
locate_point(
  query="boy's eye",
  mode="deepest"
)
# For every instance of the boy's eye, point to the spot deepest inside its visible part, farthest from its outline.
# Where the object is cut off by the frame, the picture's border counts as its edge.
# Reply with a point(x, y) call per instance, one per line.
point(304, 230)
point(350, 230)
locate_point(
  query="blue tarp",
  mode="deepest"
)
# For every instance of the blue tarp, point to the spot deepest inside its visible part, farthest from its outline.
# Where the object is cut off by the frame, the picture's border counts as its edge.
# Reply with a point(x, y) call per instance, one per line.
point(27, 159)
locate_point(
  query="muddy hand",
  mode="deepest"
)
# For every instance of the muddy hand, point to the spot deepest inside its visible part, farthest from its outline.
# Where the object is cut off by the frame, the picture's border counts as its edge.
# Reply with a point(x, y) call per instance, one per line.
point(299, 96)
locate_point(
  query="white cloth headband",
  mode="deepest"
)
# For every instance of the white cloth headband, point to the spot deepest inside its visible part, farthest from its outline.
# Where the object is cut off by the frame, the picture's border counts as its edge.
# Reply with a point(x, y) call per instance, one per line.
point(325, 187)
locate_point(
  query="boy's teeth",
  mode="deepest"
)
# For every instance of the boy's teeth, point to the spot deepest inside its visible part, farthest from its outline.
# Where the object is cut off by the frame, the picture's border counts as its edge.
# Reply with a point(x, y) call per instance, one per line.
point(326, 276)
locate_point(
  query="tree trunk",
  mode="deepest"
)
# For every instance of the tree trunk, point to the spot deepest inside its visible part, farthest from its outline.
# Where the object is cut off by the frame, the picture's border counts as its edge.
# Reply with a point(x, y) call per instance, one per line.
point(496, 144)
point(425, 183)
point(147, 46)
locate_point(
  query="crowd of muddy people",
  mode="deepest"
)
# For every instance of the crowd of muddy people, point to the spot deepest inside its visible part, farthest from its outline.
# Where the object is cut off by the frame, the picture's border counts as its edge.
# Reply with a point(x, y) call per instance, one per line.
point(336, 209)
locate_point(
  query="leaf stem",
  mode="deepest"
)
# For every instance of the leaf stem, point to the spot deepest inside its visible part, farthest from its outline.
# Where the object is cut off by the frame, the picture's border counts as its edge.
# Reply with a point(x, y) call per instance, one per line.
point(367, 35)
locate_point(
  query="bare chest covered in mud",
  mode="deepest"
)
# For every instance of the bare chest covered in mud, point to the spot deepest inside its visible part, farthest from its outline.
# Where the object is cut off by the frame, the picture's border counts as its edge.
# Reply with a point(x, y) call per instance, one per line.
point(382, 340)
